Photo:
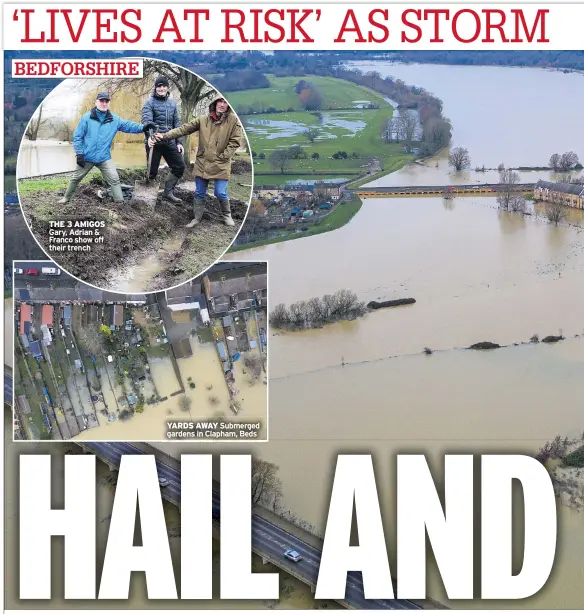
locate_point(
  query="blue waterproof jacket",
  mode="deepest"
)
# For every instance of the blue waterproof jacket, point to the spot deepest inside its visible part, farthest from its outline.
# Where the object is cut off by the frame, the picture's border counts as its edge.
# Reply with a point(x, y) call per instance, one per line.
point(93, 138)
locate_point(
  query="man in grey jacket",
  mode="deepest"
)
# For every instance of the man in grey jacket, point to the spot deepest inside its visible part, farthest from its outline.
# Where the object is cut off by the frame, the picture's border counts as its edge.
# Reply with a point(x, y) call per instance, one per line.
point(162, 111)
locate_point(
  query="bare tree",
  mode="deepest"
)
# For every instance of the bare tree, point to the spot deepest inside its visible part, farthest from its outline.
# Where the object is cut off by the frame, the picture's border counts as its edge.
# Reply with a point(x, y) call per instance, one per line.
point(408, 124)
point(311, 134)
point(193, 91)
point(91, 338)
point(554, 162)
point(37, 121)
point(185, 403)
point(567, 161)
point(459, 158)
point(505, 193)
point(280, 160)
point(266, 486)
point(555, 212)
point(517, 203)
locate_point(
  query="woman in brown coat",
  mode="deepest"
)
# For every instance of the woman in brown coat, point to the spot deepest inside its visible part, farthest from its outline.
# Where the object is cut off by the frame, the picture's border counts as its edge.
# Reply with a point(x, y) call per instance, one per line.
point(220, 136)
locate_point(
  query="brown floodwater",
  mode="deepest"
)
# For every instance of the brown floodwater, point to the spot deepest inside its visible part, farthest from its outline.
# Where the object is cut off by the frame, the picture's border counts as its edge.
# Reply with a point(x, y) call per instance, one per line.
point(509, 400)
point(477, 274)
point(209, 399)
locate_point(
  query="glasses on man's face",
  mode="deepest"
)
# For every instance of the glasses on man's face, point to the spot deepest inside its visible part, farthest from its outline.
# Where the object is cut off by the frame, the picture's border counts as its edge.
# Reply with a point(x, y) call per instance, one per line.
point(106, 100)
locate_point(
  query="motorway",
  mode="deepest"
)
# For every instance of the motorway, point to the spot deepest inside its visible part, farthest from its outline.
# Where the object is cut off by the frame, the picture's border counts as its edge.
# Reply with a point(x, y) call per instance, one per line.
point(268, 539)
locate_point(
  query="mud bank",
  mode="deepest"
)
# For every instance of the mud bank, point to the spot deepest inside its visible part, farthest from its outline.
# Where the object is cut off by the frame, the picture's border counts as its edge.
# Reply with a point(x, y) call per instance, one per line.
point(135, 234)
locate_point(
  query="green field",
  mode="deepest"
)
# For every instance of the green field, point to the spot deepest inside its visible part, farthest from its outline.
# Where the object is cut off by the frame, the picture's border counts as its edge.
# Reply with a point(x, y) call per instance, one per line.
point(358, 132)
point(336, 93)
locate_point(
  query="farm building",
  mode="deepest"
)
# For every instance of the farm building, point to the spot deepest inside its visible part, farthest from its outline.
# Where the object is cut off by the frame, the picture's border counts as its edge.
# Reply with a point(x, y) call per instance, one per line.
point(568, 194)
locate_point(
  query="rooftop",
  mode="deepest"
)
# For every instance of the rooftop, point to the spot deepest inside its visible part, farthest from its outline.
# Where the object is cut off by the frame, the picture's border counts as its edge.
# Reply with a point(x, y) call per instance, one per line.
point(182, 348)
point(566, 188)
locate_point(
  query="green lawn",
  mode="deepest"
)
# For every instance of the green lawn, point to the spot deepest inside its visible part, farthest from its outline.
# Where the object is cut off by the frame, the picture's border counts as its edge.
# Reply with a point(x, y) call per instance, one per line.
point(336, 93)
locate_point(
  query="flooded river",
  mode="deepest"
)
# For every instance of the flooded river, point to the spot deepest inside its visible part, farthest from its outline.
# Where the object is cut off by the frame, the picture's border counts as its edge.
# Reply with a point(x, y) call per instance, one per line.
point(477, 274)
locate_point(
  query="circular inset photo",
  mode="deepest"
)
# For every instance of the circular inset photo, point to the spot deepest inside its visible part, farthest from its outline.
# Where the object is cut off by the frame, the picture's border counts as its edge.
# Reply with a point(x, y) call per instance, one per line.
point(135, 184)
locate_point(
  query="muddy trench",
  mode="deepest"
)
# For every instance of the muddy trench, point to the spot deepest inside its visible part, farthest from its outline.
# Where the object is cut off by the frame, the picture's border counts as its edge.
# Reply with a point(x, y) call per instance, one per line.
point(144, 248)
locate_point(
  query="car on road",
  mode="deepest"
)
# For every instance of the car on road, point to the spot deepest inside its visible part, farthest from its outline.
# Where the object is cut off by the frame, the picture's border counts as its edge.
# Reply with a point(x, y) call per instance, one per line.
point(163, 482)
point(293, 555)
point(19, 271)
point(31, 272)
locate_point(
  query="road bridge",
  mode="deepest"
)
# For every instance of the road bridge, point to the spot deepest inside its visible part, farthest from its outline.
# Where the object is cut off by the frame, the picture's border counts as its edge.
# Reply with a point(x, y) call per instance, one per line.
point(443, 190)
point(269, 540)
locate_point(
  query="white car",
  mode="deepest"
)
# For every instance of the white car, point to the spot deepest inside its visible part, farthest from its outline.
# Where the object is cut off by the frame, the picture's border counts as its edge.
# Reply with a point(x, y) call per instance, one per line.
point(163, 482)
point(19, 271)
point(293, 555)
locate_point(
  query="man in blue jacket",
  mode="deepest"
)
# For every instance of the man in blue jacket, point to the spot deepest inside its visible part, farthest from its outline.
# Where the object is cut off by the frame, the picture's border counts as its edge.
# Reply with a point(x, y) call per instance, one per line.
point(92, 141)
point(162, 110)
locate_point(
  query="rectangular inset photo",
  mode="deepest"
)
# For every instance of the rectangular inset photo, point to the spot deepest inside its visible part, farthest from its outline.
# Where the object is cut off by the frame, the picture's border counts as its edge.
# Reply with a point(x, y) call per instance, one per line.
point(189, 363)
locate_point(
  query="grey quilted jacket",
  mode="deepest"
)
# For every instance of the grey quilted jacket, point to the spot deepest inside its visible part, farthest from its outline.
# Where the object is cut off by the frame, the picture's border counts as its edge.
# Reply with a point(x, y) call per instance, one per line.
point(163, 112)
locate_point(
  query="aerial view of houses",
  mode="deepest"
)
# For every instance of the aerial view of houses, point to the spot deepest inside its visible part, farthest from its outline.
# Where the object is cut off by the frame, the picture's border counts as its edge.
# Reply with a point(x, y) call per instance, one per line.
point(99, 365)
point(280, 212)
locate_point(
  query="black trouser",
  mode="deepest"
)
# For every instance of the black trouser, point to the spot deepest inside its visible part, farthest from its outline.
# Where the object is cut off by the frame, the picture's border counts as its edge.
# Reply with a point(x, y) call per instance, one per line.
point(169, 151)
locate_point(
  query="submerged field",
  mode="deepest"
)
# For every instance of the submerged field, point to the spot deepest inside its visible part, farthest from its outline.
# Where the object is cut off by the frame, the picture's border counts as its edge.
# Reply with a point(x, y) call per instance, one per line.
point(342, 124)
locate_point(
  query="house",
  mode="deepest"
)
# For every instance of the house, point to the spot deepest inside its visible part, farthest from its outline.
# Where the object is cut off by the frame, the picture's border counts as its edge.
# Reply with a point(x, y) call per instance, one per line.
point(239, 288)
point(270, 192)
point(331, 190)
point(568, 194)
point(116, 315)
point(25, 319)
point(188, 297)
point(47, 315)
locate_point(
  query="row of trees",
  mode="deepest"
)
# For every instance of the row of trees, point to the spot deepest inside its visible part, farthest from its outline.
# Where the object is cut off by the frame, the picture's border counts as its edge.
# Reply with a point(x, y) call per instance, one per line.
point(403, 129)
point(561, 163)
point(316, 312)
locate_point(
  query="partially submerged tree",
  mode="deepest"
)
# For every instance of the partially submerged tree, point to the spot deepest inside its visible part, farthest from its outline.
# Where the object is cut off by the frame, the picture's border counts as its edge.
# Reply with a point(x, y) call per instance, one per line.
point(505, 190)
point(266, 486)
point(555, 212)
point(459, 158)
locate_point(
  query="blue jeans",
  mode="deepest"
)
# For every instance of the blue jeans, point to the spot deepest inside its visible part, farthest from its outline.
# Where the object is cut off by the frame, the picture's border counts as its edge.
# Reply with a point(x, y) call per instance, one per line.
point(201, 186)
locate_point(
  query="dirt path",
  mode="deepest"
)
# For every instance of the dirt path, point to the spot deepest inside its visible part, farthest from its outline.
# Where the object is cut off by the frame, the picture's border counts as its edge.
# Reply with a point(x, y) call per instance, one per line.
point(144, 249)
